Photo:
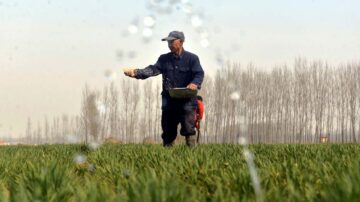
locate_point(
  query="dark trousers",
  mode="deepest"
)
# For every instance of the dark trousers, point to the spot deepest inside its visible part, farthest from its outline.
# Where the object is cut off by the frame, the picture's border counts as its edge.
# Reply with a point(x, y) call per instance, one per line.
point(172, 116)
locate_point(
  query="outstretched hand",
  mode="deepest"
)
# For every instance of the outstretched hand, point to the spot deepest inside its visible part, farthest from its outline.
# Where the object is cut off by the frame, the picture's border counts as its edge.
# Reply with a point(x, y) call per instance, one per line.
point(130, 72)
point(192, 86)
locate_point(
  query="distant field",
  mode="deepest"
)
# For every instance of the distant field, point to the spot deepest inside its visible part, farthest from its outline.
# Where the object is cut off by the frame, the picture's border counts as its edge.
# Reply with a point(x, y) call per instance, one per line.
point(152, 173)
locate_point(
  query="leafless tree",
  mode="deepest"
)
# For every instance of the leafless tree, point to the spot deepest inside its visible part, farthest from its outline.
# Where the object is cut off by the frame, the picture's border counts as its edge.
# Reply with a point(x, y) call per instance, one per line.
point(90, 115)
point(289, 104)
point(46, 129)
point(148, 108)
point(353, 92)
point(28, 131)
point(114, 110)
point(125, 96)
point(103, 109)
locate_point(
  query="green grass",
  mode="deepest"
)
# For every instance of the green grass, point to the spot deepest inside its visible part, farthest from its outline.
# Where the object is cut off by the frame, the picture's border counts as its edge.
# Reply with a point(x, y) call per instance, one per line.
point(152, 173)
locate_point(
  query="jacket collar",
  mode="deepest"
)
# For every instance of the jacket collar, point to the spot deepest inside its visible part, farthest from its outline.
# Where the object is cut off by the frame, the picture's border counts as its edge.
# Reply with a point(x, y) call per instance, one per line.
point(174, 56)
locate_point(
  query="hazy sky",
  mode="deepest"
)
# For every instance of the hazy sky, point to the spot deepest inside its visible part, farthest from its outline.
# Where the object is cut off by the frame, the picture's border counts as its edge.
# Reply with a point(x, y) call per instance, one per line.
point(49, 49)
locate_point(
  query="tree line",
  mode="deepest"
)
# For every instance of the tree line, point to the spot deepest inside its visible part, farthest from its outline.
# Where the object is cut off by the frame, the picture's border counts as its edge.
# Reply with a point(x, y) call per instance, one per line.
point(308, 102)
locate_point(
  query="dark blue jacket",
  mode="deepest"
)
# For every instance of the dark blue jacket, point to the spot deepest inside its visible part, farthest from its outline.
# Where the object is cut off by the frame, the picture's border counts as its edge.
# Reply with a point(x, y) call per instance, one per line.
point(177, 71)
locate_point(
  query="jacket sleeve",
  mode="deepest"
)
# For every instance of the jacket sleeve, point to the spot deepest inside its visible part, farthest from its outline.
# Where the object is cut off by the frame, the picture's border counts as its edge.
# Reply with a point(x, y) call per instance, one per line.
point(198, 72)
point(149, 71)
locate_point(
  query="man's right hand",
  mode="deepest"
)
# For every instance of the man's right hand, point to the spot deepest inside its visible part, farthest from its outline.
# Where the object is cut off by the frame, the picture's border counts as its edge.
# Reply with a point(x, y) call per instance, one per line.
point(130, 72)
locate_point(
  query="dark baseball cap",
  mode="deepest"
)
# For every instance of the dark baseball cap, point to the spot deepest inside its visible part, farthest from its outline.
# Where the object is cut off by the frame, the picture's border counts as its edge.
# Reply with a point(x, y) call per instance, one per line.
point(174, 35)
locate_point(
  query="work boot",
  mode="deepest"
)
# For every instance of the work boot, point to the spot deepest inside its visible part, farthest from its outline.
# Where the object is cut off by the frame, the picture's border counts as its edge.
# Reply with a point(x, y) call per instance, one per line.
point(168, 144)
point(191, 141)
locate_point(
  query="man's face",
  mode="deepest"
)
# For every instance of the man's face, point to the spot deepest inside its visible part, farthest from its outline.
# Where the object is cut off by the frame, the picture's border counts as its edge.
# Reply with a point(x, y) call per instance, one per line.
point(175, 45)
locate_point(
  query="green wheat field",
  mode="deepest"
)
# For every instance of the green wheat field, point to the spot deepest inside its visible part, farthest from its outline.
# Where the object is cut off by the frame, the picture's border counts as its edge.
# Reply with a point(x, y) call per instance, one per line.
point(218, 172)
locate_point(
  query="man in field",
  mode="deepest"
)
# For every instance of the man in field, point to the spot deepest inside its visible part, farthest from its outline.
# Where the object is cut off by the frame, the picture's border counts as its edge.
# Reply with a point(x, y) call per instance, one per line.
point(179, 68)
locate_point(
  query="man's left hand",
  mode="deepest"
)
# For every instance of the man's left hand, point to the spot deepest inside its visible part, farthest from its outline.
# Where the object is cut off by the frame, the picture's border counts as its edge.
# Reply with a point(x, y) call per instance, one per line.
point(192, 86)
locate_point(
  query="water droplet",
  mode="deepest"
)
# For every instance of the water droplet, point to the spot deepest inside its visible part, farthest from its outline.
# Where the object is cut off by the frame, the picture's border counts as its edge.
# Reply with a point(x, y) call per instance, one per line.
point(72, 139)
point(79, 158)
point(133, 29)
point(120, 54)
point(101, 107)
point(132, 54)
point(94, 146)
point(149, 21)
point(196, 21)
point(242, 141)
point(235, 96)
point(205, 43)
point(248, 155)
point(220, 59)
point(110, 75)
point(187, 8)
point(107, 73)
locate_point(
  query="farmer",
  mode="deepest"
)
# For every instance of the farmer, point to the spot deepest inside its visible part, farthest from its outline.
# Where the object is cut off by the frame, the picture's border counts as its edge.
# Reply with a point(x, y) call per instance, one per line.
point(179, 68)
